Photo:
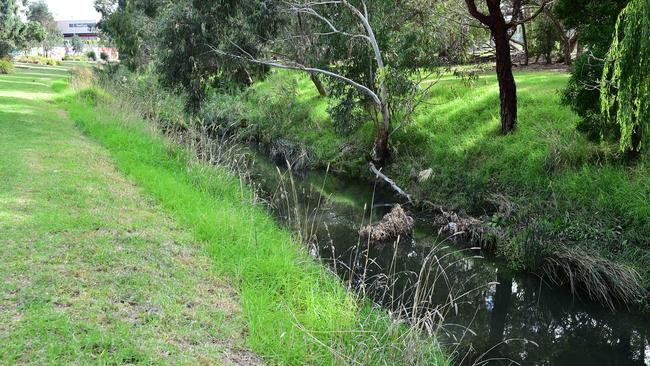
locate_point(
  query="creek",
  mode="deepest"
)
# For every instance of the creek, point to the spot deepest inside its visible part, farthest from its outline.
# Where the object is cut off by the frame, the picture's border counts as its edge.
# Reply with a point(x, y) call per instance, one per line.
point(497, 318)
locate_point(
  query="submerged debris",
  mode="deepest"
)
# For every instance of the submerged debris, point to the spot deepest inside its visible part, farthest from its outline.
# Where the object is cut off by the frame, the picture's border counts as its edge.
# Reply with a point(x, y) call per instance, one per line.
point(466, 229)
point(394, 224)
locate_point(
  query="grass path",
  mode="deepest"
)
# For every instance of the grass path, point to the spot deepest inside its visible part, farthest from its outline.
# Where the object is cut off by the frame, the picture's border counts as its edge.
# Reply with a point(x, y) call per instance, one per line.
point(92, 270)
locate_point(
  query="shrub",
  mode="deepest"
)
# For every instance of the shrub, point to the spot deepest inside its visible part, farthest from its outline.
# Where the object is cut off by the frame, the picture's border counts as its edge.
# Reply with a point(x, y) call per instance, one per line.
point(585, 101)
point(278, 109)
point(6, 67)
point(39, 60)
point(74, 58)
point(222, 113)
point(91, 55)
point(103, 56)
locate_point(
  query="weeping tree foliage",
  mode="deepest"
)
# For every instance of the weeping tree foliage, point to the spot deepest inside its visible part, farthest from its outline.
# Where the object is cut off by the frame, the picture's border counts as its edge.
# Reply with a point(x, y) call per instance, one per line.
point(625, 84)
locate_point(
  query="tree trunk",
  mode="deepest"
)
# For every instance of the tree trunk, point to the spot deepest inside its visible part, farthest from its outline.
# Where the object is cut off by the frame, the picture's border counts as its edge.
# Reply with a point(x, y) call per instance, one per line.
point(381, 151)
point(567, 48)
point(319, 85)
point(526, 56)
point(507, 87)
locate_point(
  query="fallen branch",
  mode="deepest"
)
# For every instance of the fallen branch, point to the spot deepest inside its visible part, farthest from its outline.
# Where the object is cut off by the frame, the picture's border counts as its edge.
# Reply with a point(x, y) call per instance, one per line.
point(392, 184)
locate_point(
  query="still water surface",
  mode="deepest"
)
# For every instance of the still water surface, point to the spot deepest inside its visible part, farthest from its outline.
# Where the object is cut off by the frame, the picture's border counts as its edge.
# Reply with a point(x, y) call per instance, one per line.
point(504, 318)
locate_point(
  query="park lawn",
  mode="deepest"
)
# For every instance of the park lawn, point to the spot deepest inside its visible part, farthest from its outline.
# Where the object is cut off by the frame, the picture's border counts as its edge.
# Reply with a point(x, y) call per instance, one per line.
point(93, 270)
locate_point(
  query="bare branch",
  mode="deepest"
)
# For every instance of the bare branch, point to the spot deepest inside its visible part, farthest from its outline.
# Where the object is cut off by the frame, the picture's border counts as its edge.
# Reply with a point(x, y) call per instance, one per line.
point(298, 67)
point(390, 182)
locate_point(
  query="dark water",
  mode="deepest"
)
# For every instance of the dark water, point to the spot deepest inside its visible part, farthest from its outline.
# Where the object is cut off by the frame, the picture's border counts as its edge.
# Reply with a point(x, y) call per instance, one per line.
point(498, 318)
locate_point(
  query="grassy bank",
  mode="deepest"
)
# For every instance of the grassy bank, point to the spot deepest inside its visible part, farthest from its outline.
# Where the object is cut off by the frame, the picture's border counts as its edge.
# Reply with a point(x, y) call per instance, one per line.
point(554, 196)
point(93, 271)
point(295, 311)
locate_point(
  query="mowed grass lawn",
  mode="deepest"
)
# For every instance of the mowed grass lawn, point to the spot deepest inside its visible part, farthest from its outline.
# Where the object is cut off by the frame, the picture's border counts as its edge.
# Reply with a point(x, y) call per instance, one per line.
point(91, 269)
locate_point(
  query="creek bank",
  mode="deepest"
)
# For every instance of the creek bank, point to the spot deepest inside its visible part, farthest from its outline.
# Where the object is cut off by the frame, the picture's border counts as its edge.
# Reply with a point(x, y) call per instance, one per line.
point(601, 279)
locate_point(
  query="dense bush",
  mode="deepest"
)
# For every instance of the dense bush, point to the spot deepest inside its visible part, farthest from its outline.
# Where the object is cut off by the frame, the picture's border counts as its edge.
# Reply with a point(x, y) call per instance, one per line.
point(91, 55)
point(583, 96)
point(594, 21)
point(103, 56)
point(277, 110)
point(222, 113)
point(6, 67)
point(163, 106)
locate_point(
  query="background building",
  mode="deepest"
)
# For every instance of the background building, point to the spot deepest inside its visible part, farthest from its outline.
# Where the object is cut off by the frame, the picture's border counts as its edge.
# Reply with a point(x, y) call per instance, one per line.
point(85, 29)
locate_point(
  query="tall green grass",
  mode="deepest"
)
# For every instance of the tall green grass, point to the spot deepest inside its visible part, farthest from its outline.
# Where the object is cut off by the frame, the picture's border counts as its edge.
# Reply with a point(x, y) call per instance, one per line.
point(297, 312)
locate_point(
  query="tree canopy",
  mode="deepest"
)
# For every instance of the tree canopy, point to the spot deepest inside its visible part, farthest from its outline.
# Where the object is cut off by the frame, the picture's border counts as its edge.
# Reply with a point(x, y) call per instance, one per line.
point(14, 32)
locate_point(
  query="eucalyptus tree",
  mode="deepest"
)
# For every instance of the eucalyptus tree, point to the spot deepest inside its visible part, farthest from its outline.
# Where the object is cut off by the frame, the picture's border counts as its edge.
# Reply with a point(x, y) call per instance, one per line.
point(130, 25)
point(39, 12)
point(373, 54)
point(544, 36)
point(502, 18)
point(567, 36)
point(14, 32)
point(625, 84)
point(189, 30)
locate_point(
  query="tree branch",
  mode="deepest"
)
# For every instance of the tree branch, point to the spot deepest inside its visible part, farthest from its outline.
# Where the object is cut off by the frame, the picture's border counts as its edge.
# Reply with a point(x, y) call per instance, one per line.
point(298, 67)
point(513, 22)
point(473, 10)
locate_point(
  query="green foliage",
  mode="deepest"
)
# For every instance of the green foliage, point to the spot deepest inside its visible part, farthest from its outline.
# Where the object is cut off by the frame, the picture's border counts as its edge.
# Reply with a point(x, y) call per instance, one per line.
point(131, 26)
point(625, 85)
point(40, 13)
point(33, 33)
point(409, 41)
point(583, 96)
point(188, 33)
point(346, 114)
point(223, 114)
point(544, 38)
point(10, 26)
point(14, 32)
point(6, 67)
point(91, 55)
point(594, 20)
point(76, 44)
point(103, 56)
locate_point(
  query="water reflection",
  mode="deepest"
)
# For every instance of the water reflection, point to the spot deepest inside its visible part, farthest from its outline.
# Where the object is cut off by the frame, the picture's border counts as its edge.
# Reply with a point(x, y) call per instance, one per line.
point(513, 318)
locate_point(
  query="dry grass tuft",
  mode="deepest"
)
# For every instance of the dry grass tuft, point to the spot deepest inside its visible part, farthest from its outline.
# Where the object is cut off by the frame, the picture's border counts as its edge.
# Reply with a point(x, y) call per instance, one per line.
point(602, 279)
